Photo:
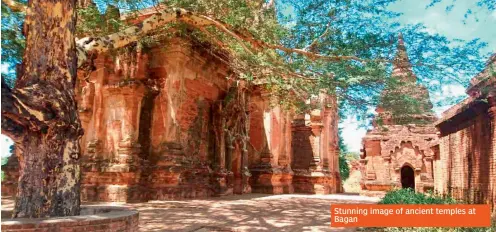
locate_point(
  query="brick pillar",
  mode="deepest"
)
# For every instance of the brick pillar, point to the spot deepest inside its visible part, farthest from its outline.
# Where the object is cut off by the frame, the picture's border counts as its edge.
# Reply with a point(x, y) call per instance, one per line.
point(428, 166)
point(272, 174)
point(116, 179)
point(492, 171)
point(129, 147)
point(285, 155)
point(93, 106)
point(220, 175)
point(312, 137)
point(363, 170)
point(327, 159)
point(317, 140)
point(387, 169)
point(331, 149)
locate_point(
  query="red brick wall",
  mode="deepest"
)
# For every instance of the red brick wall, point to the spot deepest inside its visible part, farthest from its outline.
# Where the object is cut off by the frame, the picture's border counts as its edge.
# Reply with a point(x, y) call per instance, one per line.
point(466, 165)
point(386, 150)
point(151, 131)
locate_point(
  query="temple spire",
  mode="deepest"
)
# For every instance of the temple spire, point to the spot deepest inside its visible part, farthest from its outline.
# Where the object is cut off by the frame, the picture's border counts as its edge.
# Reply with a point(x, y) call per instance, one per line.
point(402, 68)
point(396, 106)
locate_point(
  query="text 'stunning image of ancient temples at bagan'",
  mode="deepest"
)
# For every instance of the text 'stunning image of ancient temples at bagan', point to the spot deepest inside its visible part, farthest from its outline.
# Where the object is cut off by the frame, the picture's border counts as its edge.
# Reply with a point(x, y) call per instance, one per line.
point(165, 123)
point(454, 155)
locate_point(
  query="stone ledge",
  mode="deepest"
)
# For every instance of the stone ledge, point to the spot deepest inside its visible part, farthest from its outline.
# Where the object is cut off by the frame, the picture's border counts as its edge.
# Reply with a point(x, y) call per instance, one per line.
point(102, 218)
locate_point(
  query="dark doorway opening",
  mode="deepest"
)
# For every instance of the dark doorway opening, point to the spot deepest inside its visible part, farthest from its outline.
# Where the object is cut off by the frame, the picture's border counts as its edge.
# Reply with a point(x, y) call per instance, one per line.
point(407, 177)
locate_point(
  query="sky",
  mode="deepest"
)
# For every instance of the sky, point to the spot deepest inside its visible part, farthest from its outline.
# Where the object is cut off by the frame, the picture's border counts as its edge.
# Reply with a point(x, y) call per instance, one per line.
point(436, 19)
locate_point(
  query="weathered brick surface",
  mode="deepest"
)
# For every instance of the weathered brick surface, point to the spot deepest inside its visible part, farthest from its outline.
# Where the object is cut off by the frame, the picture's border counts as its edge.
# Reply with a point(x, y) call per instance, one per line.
point(153, 131)
point(270, 146)
point(397, 152)
point(315, 149)
point(466, 162)
point(466, 155)
point(386, 152)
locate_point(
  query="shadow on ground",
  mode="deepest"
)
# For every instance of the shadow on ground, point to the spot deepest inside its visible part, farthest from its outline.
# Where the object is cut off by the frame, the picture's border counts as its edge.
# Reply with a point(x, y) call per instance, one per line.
point(251, 212)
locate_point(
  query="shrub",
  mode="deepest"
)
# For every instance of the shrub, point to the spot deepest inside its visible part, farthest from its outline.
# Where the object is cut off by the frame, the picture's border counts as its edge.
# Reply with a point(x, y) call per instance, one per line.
point(408, 196)
point(431, 229)
point(344, 169)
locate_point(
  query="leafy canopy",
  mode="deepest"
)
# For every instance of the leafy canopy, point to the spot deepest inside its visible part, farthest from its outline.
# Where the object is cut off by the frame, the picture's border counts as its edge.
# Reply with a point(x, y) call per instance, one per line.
point(331, 30)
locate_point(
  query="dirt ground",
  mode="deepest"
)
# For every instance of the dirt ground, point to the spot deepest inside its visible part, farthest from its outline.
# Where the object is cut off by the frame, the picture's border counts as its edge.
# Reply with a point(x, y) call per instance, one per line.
point(250, 212)
point(352, 185)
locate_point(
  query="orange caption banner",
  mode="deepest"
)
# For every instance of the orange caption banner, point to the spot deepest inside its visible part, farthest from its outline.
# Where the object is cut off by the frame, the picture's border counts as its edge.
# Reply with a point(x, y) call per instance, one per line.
point(367, 215)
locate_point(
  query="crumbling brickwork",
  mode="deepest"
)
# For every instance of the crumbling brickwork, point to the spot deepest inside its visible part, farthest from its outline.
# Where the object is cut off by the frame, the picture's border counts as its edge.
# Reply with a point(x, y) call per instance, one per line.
point(166, 122)
point(397, 151)
point(390, 151)
point(465, 156)
point(315, 149)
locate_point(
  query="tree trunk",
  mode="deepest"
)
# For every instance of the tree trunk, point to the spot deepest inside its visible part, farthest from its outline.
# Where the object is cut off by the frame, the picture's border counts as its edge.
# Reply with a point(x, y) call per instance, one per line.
point(40, 114)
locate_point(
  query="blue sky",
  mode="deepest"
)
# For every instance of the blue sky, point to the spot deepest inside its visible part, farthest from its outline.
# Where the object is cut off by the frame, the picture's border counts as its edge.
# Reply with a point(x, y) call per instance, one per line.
point(436, 19)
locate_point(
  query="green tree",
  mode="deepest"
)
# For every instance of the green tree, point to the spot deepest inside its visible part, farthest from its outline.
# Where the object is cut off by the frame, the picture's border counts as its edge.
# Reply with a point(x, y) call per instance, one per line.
point(489, 5)
point(344, 46)
point(344, 169)
point(12, 41)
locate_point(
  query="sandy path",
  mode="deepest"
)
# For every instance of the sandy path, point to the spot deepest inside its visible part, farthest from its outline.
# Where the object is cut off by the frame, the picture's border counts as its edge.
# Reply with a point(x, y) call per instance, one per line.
point(251, 212)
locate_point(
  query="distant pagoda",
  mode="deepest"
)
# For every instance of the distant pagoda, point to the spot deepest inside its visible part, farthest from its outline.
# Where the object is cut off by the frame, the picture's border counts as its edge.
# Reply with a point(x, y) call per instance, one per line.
point(396, 152)
point(404, 101)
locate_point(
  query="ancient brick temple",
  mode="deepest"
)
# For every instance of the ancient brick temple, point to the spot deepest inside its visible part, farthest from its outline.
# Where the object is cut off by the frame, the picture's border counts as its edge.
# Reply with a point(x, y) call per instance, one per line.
point(396, 152)
point(465, 157)
point(165, 123)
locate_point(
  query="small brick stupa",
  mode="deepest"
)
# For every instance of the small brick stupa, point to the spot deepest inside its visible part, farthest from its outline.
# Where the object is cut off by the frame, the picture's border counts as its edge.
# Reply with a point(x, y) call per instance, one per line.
point(396, 152)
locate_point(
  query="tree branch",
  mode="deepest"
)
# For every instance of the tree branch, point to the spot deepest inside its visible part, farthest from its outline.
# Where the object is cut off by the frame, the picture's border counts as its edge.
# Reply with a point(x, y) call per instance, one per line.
point(311, 46)
point(131, 34)
point(15, 6)
point(12, 124)
point(269, 5)
point(87, 46)
point(32, 107)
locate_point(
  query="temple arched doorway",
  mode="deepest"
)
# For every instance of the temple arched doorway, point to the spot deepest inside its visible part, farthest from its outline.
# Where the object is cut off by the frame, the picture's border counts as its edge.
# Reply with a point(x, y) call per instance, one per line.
point(407, 177)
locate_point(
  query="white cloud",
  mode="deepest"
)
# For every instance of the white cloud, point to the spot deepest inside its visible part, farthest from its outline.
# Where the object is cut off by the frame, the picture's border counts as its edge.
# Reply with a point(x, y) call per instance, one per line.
point(4, 68)
point(453, 90)
point(5, 143)
point(352, 134)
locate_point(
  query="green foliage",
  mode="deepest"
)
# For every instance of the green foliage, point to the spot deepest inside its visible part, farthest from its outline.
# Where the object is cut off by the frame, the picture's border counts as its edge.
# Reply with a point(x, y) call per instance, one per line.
point(12, 41)
point(408, 196)
point(344, 169)
point(430, 229)
point(363, 29)
point(405, 102)
point(367, 29)
point(3, 162)
point(489, 5)
point(93, 23)
point(5, 159)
